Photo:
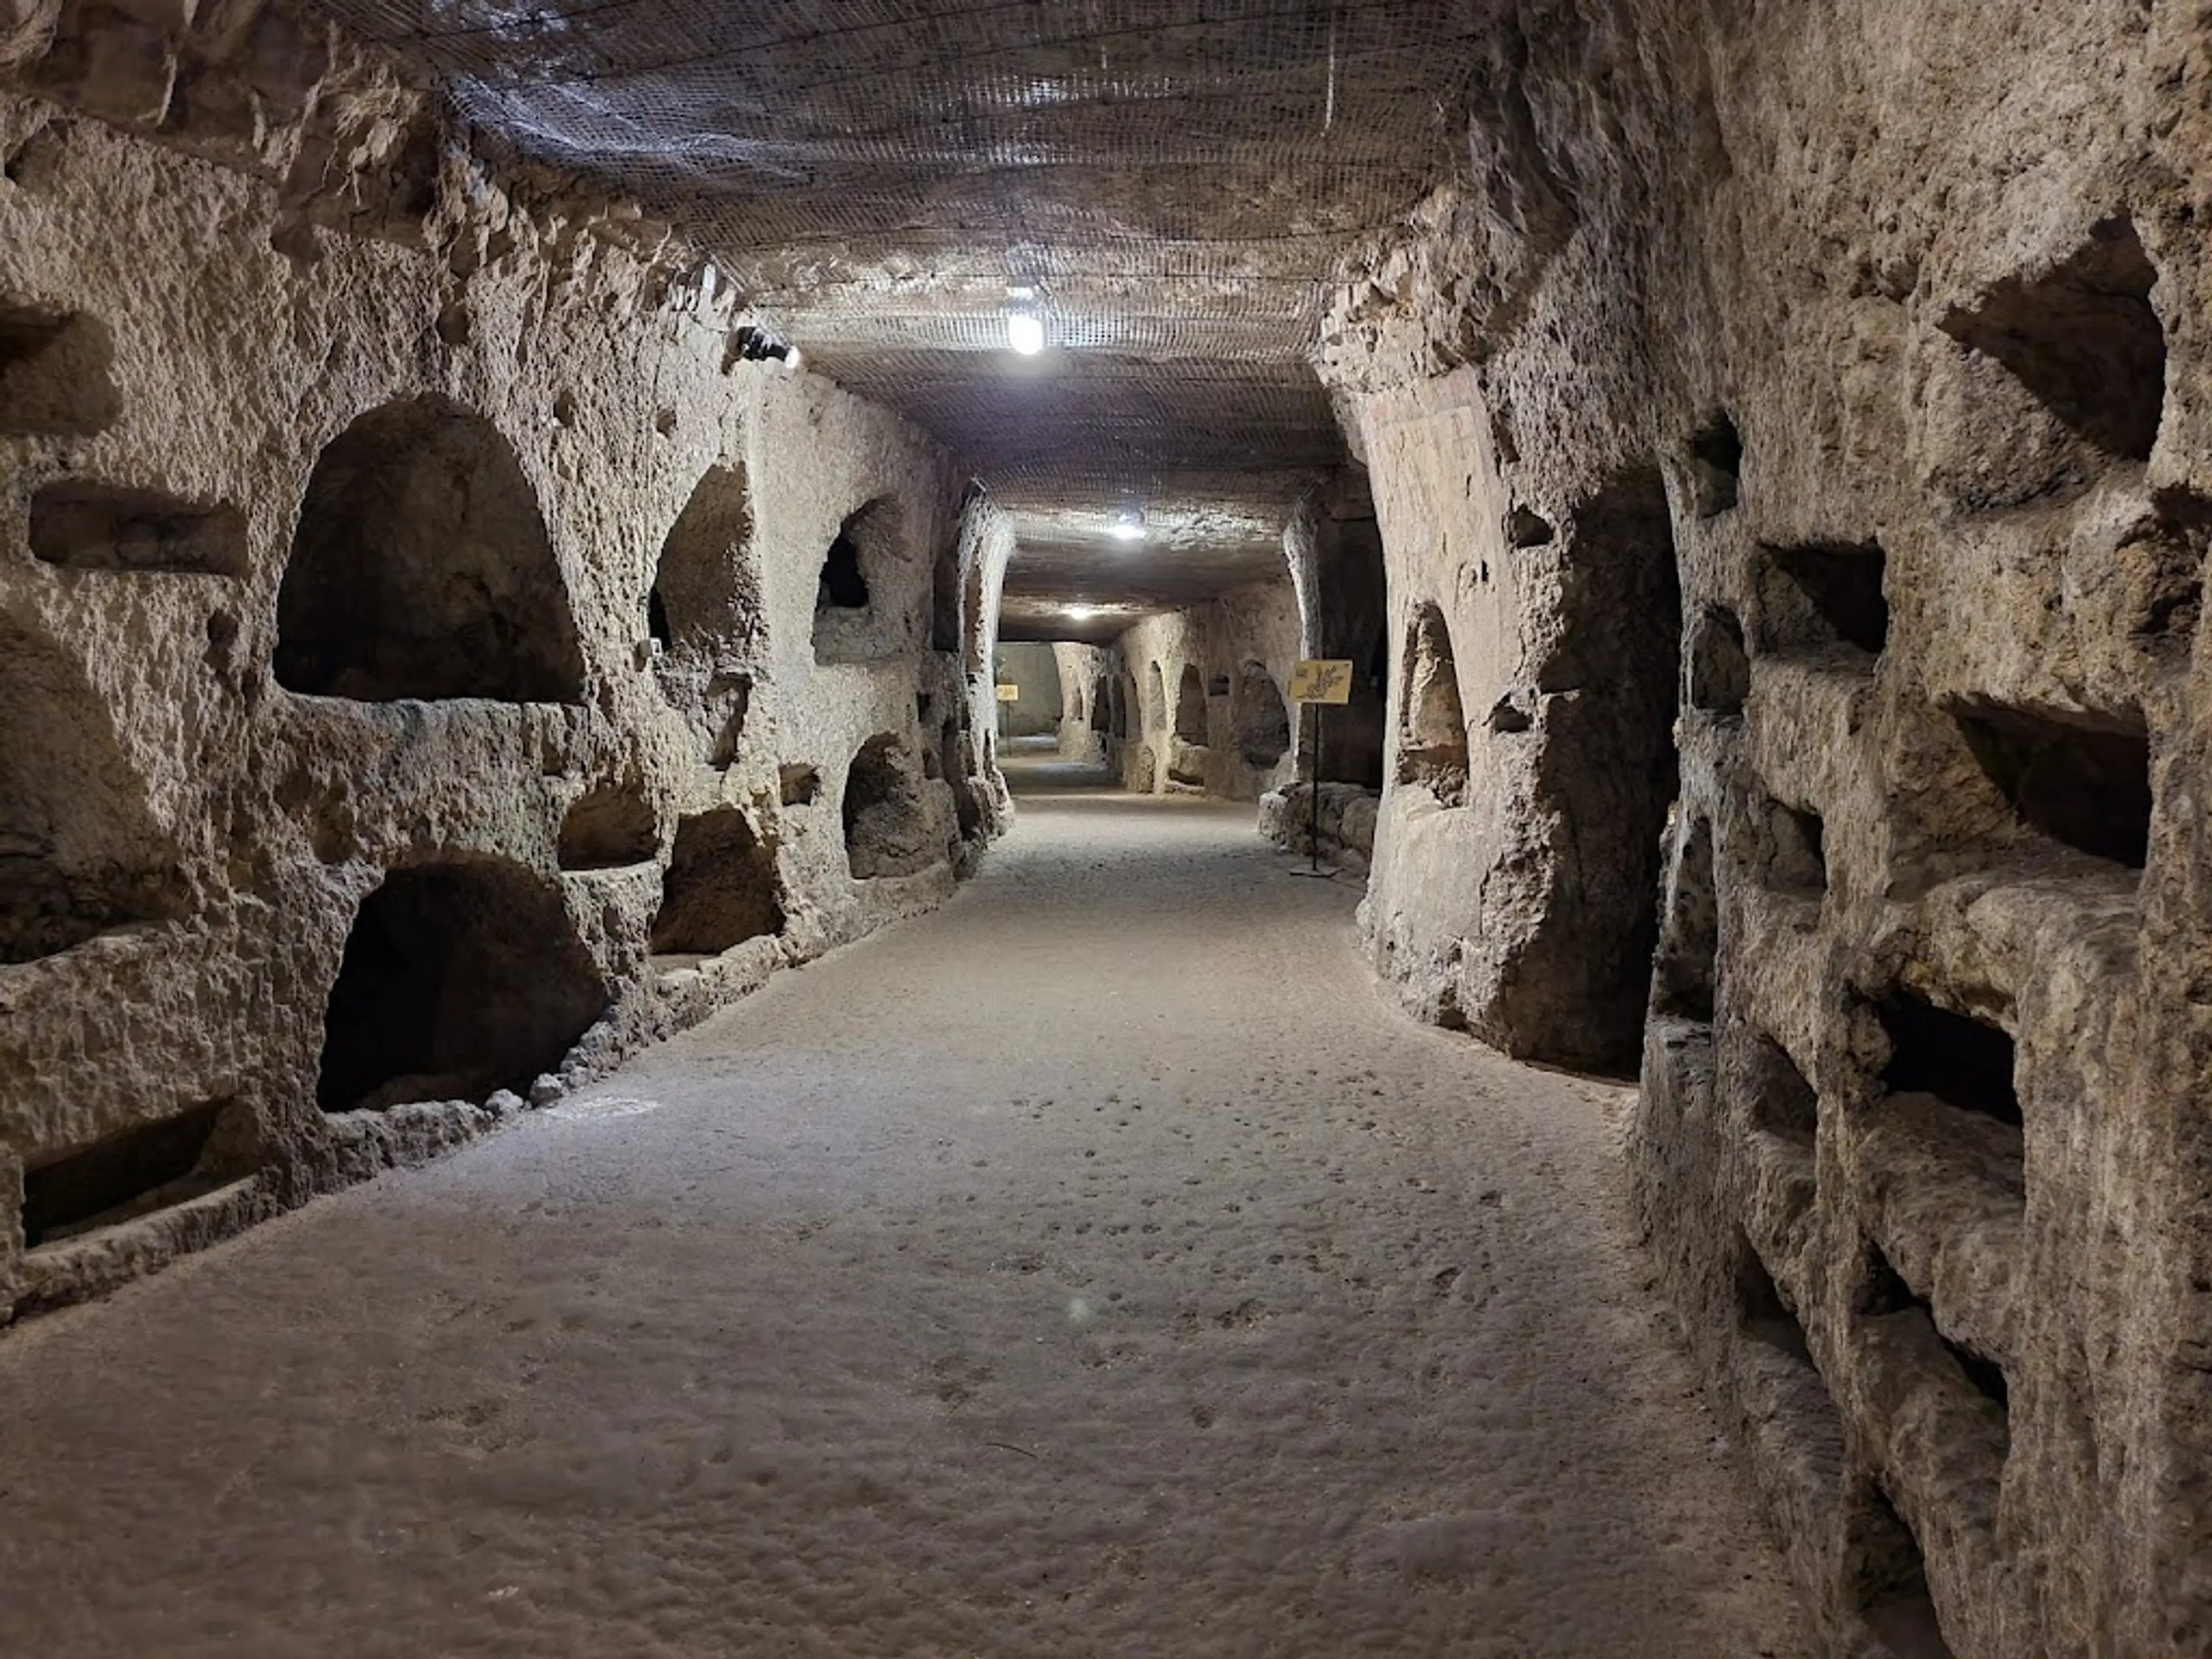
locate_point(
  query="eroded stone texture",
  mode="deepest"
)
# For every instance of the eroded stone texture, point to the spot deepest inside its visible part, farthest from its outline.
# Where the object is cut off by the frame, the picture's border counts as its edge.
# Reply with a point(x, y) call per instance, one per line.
point(1866, 344)
point(1216, 676)
point(416, 630)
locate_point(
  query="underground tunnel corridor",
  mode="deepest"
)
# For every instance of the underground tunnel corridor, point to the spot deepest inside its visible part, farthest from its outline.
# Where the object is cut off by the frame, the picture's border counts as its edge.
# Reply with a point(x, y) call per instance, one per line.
point(1093, 1266)
point(662, 670)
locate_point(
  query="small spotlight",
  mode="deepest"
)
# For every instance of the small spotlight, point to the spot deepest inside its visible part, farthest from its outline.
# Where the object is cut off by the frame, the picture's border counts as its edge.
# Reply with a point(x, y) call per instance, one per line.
point(1024, 327)
point(1129, 527)
point(1079, 613)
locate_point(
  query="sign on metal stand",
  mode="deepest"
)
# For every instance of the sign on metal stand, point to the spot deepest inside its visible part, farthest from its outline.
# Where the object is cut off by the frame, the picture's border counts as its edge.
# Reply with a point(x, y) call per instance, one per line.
point(1315, 684)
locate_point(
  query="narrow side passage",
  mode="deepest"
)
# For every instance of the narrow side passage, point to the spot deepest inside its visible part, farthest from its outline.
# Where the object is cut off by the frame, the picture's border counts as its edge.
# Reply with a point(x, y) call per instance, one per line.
point(1093, 1267)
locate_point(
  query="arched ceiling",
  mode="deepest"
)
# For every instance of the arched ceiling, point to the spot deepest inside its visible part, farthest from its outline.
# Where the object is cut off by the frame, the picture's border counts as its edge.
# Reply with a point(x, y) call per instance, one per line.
point(1176, 179)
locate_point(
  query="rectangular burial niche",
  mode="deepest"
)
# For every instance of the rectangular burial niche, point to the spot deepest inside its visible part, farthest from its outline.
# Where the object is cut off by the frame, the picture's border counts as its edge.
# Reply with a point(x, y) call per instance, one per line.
point(56, 373)
point(1883, 1294)
point(1823, 596)
point(2083, 338)
point(1961, 1061)
point(1791, 849)
point(1685, 969)
point(611, 826)
point(1761, 1314)
point(721, 888)
point(131, 1173)
point(2083, 780)
point(1888, 1579)
point(95, 526)
point(461, 976)
point(1782, 1102)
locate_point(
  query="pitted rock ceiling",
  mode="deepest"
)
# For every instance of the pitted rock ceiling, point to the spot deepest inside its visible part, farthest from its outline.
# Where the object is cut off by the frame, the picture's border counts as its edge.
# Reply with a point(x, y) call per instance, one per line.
point(1176, 179)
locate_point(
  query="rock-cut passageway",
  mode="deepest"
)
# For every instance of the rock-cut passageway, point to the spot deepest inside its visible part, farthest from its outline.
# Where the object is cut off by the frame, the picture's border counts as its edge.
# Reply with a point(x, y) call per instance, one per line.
point(1094, 1267)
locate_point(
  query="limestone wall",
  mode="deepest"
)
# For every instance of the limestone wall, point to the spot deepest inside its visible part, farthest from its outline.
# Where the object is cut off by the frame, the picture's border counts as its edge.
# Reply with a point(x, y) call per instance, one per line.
point(430, 664)
point(1087, 674)
point(1211, 714)
point(1791, 452)
point(1031, 670)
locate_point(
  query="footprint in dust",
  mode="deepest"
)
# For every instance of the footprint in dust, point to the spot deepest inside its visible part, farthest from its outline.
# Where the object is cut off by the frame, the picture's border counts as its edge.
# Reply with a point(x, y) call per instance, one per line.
point(1247, 1313)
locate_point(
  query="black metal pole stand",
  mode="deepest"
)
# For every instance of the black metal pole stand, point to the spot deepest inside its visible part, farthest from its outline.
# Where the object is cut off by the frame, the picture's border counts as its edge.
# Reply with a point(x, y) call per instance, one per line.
point(1313, 783)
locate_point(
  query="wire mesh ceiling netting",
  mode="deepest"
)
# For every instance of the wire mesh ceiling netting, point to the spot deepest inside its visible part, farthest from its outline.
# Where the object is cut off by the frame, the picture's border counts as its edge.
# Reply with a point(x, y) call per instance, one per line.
point(1176, 179)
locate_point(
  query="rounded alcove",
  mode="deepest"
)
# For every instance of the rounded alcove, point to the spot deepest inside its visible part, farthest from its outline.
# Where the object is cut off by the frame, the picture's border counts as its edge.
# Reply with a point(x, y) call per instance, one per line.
point(1260, 720)
point(705, 611)
point(889, 828)
point(422, 568)
point(1432, 721)
point(461, 976)
point(721, 888)
point(1190, 706)
point(857, 617)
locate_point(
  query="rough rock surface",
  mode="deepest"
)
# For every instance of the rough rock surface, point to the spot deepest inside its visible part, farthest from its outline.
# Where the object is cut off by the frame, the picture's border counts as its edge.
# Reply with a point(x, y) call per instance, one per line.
point(290, 886)
point(1867, 341)
point(1244, 1318)
point(1347, 823)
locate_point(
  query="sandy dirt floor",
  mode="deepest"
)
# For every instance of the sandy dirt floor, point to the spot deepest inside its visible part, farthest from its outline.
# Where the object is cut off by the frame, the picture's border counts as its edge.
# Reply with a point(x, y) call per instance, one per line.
point(1095, 1266)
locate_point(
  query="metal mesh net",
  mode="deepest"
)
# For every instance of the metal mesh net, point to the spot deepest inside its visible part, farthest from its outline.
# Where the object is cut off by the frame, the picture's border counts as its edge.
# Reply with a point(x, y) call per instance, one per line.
point(1176, 179)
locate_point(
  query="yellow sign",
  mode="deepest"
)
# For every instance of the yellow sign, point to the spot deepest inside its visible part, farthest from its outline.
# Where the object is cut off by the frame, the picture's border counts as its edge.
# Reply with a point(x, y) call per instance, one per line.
point(1325, 681)
point(1010, 693)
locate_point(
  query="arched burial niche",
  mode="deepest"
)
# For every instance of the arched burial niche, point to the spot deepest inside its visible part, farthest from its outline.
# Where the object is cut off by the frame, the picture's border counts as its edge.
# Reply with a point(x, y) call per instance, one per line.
point(421, 568)
point(856, 618)
point(1190, 706)
point(79, 853)
point(1153, 711)
point(889, 828)
point(705, 611)
point(721, 889)
point(1431, 724)
point(461, 976)
point(1261, 720)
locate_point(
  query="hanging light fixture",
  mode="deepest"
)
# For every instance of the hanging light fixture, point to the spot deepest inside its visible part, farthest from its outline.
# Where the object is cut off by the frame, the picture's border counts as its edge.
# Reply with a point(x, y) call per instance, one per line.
point(1024, 327)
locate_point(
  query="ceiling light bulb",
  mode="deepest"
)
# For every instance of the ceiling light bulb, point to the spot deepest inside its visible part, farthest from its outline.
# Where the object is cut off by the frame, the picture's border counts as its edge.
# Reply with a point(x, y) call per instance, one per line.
point(1025, 332)
point(1128, 528)
point(1081, 613)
